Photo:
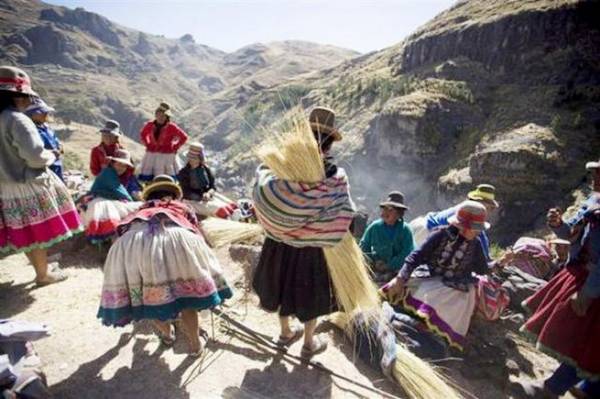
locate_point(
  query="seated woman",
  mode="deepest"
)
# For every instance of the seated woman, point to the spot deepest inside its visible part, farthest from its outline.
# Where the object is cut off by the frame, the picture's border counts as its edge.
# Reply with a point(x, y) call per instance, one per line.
point(442, 290)
point(160, 266)
point(198, 184)
point(115, 194)
point(388, 240)
point(107, 147)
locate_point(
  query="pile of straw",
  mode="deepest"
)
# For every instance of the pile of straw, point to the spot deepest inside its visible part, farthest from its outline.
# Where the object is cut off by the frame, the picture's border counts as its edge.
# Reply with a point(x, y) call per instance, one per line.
point(295, 156)
point(220, 232)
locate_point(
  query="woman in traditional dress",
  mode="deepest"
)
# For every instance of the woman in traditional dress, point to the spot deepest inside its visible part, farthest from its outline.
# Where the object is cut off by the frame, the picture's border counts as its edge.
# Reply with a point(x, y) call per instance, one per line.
point(115, 194)
point(436, 282)
point(36, 210)
point(293, 280)
point(110, 143)
point(162, 139)
point(161, 267)
point(198, 184)
point(565, 316)
point(39, 112)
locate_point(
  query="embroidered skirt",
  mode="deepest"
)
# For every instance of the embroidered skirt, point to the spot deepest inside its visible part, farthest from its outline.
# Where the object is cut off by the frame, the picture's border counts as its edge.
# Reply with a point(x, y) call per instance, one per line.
point(154, 272)
point(102, 216)
point(294, 281)
point(558, 330)
point(446, 311)
point(36, 214)
point(219, 206)
point(156, 163)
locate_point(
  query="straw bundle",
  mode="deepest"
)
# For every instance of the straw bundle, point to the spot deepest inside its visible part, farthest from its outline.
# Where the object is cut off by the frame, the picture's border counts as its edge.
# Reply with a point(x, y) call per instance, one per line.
point(418, 379)
point(221, 232)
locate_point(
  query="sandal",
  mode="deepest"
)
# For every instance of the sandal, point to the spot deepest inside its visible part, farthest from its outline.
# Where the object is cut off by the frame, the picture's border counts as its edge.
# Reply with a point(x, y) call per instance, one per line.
point(319, 345)
point(54, 275)
point(297, 333)
point(166, 339)
point(202, 334)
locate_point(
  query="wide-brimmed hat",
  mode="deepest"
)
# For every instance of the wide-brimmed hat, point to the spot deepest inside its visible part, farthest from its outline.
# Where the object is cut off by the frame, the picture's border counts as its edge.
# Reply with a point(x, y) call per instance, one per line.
point(485, 193)
point(165, 108)
point(15, 80)
point(163, 183)
point(592, 165)
point(394, 199)
point(195, 150)
point(322, 121)
point(559, 241)
point(470, 215)
point(38, 106)
point(112, 127)
point(121, 156)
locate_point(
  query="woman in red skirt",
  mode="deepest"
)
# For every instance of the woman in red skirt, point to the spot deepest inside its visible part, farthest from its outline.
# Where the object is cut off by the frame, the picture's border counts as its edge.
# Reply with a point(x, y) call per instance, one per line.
point(566, 312)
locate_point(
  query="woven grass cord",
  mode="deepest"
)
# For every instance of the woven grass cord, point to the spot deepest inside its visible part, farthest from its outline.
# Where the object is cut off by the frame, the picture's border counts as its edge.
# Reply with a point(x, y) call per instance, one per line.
point(221, 232)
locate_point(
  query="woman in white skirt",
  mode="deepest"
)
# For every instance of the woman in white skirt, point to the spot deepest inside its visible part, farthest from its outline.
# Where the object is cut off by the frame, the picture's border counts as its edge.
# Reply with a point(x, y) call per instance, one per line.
point(162, 139)
point(36, 210)
point(436, 282)
point(198, 184)
point(115, 194)
point(161, 267)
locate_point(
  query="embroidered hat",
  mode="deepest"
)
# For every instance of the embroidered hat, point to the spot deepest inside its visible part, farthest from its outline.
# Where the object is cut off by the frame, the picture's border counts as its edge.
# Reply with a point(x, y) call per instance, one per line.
point(165, 108)
point(195, 151)
point(485, 193)
point(121, 156)
point(111, 127)
point(394, 199)
point(38, 106)
point(15, 80)
point(470, 215)
point(322, 121)
point(163, 183)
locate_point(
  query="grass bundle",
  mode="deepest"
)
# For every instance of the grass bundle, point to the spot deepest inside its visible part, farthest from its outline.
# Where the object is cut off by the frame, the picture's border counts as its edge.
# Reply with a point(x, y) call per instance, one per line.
point(221, 232)
point(417, 377)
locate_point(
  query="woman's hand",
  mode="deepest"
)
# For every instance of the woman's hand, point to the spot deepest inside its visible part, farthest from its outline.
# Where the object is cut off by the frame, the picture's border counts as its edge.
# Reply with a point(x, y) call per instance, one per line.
point(580, 303)
point(393, 290)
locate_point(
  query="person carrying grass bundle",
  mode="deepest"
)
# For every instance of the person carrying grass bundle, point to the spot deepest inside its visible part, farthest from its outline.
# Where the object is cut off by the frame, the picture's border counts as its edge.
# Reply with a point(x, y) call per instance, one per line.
point(162, 139)
point(36, 210)
point(160, 267)
point(292, 275)
point(198, 184)
point(115, 194)
point(388, 240)
point(436, 282)
point(111, 132)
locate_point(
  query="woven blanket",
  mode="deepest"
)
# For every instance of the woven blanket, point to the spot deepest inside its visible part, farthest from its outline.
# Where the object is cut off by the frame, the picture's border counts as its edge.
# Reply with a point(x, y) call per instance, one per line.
point(303, 214)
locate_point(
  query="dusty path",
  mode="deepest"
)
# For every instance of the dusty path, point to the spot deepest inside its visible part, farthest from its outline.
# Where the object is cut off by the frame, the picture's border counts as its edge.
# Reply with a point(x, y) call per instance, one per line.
point(84, 359)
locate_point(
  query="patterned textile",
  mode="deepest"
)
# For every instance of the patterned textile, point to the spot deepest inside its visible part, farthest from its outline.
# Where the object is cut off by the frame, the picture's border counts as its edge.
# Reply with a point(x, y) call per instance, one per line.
point(302, 214)
point(36, 214)
point(492, 298)
point(219, 206)
point(156, 163)
point(102, 216)
point(155, 270)
point(533, 256)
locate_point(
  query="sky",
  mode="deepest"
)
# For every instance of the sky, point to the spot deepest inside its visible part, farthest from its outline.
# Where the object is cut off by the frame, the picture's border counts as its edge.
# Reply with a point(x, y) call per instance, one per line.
point(361, 25)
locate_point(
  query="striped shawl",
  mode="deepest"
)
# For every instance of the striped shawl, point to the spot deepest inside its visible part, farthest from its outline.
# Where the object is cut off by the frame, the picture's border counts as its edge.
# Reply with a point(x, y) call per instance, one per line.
point(302, 214)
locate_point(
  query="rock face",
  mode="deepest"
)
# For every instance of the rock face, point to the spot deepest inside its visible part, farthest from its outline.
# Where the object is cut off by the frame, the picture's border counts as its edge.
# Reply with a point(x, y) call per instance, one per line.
point(98, 26)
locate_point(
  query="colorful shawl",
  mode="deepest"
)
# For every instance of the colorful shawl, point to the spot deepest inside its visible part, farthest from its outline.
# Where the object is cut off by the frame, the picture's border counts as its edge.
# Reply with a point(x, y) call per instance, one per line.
point(302, 214)
point(107, 185)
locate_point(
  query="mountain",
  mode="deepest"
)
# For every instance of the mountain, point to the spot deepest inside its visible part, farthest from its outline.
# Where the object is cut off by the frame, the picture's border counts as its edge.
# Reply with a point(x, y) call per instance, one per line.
point(93, 69)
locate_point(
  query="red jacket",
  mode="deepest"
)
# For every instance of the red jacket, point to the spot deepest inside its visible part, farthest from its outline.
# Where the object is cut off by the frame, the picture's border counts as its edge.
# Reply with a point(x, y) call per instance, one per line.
point(98, 157)
point(170, 139)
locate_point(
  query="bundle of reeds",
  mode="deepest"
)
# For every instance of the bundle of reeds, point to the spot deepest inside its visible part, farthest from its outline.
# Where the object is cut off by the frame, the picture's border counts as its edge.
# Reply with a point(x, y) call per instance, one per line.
point(220, 232)
point(295, 156)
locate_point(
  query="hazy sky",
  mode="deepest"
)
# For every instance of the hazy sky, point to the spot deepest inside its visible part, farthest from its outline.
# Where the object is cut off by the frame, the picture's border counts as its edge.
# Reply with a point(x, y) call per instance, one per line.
point(362, 25)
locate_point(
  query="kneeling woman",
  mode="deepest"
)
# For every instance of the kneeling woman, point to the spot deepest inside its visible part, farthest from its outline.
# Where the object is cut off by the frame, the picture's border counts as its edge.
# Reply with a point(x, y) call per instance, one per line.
point(442, 290)
point(115, 194)
point(161, 266)
point(198, 184)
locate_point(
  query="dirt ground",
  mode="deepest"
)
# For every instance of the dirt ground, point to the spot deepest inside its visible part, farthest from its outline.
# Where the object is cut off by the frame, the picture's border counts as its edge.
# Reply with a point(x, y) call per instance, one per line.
point(84, 359)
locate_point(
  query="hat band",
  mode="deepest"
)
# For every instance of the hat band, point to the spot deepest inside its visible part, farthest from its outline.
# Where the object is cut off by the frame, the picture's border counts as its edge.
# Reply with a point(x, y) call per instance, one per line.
point(483, 195)
point(18, 83)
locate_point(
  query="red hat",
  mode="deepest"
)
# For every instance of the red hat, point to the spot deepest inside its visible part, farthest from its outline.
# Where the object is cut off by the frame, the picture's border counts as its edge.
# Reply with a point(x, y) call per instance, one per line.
point(470, 215)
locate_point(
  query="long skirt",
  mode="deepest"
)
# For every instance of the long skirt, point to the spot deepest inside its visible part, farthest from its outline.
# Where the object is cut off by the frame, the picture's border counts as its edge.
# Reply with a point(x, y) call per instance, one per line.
point(294, 281)
point(219, 206)
point(102, 216)
point(419, 230)
point(36, 214)
point(446, 311)
point(154, 272)
point(559, 332)
point(156, 163)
